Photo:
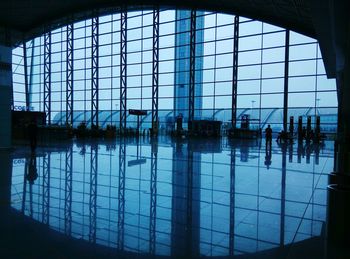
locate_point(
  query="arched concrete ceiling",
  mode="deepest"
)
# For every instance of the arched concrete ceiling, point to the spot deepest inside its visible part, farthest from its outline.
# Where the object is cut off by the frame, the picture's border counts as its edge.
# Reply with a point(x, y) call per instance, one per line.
point(25, 19)
point(27, 16)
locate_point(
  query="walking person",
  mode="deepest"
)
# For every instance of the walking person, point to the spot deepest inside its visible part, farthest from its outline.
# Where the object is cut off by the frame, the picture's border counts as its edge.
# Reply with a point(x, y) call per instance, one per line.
point(268, 135)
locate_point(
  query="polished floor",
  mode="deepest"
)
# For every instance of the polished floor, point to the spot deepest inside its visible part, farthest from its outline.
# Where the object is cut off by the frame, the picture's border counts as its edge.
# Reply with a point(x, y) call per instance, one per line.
point(163, 198)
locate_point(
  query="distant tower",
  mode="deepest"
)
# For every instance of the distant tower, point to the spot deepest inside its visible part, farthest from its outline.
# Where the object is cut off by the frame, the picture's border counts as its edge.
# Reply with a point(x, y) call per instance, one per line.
point(182, 63)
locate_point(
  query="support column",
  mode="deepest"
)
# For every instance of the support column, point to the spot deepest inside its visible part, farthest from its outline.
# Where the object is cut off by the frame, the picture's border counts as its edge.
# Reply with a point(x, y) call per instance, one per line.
point(94, 71)
point(192, 83)
point(155, 74)
point(25, 64)
point(235, 72)
point(30, 85)
point(338, 210)
point(286, 75)
point(69, 74)
point(47, 76)
point(343, 84)
point(123, 68)
point(5, 95)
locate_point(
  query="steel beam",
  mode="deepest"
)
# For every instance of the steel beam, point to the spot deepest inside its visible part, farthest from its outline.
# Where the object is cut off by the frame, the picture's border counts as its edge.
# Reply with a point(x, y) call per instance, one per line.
point(69, 74)
point(93, 192)
point(26, 85)
point(286, 77)
point(47, 75)
point(123, 69)
point(235, 72)
point(46, 189)
point(31, 75)
point(121, 193)
point(155, 74)
point(94, 70)
point(153, 191)
point(192, 82)
point(68, 192)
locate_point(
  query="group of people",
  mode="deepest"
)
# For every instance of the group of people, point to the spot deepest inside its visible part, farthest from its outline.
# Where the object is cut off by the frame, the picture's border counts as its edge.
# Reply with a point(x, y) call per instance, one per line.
point(304, 134)
point(282, 136)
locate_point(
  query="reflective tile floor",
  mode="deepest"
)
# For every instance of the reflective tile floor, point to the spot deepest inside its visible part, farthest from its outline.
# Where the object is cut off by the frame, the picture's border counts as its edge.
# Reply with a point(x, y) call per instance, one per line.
point(163, 198)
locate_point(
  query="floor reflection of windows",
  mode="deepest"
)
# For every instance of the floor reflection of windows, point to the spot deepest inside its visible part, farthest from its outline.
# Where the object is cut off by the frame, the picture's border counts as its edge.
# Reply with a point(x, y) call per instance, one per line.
point(236, 206)
point(263, 203)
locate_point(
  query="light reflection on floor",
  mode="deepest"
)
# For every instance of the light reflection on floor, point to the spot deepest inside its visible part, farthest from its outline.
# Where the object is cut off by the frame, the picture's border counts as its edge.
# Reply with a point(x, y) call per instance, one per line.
point(165, 197)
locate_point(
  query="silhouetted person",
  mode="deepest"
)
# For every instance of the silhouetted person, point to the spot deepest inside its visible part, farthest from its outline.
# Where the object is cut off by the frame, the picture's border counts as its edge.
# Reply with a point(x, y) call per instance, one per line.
point(268, 135)
point(32, 132)
point(179, 120)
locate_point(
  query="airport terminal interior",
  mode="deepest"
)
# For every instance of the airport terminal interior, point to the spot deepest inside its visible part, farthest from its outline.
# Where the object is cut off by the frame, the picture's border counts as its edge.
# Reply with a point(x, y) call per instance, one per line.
point(174, 131)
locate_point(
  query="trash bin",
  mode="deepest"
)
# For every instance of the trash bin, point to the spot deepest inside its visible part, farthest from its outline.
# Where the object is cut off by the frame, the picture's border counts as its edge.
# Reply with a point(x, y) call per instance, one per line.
point(338, 214)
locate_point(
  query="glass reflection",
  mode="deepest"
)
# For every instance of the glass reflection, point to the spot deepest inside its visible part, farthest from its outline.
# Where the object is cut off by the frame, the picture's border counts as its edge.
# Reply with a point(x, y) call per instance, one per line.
point(178, 198)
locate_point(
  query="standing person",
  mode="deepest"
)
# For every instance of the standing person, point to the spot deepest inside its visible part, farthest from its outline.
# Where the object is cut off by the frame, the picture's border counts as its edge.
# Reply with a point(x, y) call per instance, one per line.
point(32, 131)
point(268, 135)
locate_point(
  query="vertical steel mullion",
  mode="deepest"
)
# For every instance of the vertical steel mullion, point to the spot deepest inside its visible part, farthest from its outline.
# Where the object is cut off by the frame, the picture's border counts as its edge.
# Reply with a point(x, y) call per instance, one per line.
point(286, 77)
point(46, 189)
point(94, 71)
point(93, 192)
point(26, 85)
point(153, 191)
point(155, 74)
point(192, 82)
point(235, 72)
point(31, 74)
point(121, 194)
point(69, 74)
point(68, 192)
point(123, 69)
point(47, 76)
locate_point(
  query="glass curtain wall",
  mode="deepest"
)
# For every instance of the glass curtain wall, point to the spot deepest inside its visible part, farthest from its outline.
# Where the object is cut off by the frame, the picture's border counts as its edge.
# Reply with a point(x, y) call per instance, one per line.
point(261, 70)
